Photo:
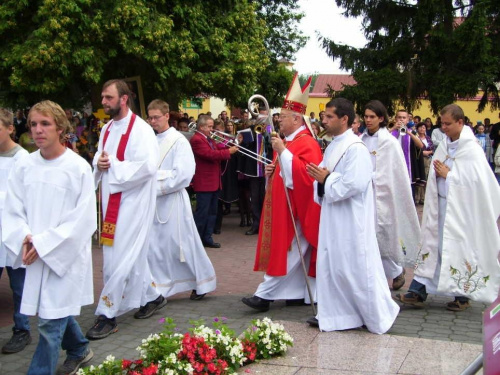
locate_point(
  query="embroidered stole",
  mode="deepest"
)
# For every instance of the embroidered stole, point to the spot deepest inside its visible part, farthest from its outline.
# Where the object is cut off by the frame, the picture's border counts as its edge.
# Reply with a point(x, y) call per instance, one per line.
point(267, 213)
point(109, 225)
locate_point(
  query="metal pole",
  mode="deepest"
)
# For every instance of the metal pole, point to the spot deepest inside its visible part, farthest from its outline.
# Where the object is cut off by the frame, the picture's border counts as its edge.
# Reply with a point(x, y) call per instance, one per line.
point(474, 366)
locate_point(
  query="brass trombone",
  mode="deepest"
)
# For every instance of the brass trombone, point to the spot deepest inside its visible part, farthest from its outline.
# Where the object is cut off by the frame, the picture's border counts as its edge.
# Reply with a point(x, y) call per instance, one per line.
point(215, 135)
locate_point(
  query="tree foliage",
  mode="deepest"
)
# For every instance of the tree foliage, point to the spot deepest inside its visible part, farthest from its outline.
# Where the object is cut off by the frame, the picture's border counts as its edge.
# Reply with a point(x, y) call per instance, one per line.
point(61, 49)
point(439, 50)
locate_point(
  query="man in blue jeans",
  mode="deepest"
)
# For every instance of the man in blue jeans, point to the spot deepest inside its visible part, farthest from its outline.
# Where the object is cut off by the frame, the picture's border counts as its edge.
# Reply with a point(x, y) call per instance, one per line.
point(21, 330)
point(48, 220)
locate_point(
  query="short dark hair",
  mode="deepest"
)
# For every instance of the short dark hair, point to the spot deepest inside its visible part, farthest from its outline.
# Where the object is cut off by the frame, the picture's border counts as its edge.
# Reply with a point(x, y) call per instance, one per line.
point(379, 109)
point(420, 124)
point(342, 107)
point(455, 111)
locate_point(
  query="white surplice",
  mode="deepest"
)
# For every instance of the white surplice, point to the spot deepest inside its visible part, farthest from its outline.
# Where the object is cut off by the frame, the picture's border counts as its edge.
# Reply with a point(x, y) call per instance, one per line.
point(459, 254)
point(176, 257)
point(125, 268)
point(7, 162)
point(396, 217)
point(351, 286)
point(54, 200)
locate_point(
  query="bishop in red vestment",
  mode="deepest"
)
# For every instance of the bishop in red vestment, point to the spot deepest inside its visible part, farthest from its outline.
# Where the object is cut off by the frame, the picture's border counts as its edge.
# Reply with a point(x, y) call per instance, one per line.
point(277, 251)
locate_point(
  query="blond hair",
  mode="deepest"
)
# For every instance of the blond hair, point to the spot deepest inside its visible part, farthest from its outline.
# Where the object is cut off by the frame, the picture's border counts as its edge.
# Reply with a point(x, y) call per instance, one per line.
point(50, 109)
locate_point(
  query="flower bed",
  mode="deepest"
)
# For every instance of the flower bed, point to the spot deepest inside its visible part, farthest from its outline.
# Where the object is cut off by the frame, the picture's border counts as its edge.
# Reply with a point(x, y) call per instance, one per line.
point(202, 350)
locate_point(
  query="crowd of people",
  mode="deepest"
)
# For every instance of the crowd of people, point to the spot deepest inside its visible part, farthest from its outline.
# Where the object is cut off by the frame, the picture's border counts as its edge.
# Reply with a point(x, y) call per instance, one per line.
point(332, 200)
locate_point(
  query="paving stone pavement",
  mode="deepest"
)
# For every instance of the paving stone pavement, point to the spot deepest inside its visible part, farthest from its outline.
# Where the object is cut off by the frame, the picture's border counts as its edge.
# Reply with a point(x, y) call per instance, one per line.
point(233, 263)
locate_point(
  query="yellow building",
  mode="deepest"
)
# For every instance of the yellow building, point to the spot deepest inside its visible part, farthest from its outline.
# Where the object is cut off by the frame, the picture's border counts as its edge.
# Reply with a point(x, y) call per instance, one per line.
point(318, 99)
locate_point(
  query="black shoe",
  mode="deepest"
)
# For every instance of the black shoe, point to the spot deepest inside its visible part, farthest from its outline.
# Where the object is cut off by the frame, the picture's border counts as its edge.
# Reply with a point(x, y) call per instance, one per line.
point(243, 222)
point(251, 232)
point(103, 327)
point(249, 221)
point(213, 245)
point(216, 231)
point(71, 366)
point(313, 322)
point(195, 296)
point(17, 342)
point(149, 308)
point(257, 303)
point(295, 302)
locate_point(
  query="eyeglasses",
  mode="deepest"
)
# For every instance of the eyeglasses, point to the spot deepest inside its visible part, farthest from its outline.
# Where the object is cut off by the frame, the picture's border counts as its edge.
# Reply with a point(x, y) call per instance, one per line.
point(155, 118)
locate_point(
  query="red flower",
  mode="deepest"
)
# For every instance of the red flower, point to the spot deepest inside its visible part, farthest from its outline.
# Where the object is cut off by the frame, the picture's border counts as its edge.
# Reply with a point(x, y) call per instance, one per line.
point(126, 364)
point(151, 370)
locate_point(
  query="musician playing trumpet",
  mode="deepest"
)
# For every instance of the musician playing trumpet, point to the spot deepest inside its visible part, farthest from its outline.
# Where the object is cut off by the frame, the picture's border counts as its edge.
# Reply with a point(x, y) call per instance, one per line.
point(207, 178)
point(277, 251)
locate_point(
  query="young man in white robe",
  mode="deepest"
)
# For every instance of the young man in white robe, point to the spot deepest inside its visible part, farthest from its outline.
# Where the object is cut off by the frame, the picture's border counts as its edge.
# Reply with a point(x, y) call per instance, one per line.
point(460, 239)
point(10, 152)
point(395, 214)
point(176, 256)
point(125, 165)
point(47, 225)
point(351, 286)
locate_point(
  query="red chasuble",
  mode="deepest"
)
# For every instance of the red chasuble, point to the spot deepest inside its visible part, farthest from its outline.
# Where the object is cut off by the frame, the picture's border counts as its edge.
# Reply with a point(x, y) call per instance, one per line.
point(276, 231)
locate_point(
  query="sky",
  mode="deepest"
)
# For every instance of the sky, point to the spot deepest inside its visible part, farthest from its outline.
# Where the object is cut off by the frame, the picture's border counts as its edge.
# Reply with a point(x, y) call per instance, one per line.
point(325, 17)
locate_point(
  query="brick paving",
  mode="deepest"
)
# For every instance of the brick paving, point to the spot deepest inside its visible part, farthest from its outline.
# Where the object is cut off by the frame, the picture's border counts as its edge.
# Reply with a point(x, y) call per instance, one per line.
point(235, 279)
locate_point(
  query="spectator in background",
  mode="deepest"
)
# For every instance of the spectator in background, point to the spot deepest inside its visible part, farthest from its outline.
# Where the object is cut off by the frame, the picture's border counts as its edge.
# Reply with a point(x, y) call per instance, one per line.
point(429, 126)
point(485, 142)
point(495, 135)
point(426, 155)
point(19, 124)
point(437, 134)
point(355, 126)
point(497, 165)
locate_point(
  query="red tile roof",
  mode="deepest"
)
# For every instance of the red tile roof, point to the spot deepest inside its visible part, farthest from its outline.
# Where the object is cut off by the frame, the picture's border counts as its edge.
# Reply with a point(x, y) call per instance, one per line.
point(335, 81)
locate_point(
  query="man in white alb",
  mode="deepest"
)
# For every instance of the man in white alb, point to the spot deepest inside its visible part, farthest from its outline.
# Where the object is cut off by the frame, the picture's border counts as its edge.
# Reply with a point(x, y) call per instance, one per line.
point(176, 257)
point(396, 217)
point(125, 165)
point(350, 281)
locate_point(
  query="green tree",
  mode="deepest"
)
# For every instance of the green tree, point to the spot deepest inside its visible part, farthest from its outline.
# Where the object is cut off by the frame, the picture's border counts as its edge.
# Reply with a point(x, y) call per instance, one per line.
point(61, 49)
point(282, 41)
point(430, 49)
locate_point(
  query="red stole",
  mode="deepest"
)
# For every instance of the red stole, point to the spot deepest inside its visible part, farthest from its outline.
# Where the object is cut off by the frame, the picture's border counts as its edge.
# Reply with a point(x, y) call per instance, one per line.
point(276, 231)
point(109, 224)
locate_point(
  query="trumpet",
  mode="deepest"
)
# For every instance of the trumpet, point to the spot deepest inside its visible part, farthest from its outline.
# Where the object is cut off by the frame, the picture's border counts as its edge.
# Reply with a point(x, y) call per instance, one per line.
point(215, 135)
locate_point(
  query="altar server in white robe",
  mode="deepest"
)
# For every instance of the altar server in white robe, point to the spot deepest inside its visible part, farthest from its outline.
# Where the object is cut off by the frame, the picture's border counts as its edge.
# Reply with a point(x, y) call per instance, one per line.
point(177, 258)
point(10, 152)
point(125, 165)
point(396, 217)
point(47, 225)
point(351, 286)
point(459, 254)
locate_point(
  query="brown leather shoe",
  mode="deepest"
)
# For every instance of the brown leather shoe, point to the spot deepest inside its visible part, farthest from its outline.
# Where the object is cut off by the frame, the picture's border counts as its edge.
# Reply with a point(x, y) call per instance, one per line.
point(399, 281)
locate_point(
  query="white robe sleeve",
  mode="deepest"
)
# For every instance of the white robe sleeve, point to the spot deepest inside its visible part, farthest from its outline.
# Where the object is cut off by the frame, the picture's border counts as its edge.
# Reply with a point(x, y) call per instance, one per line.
point(59, 246)
point(14, 218)
point(286, 159)
point(178, 175)
point(356, 174)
